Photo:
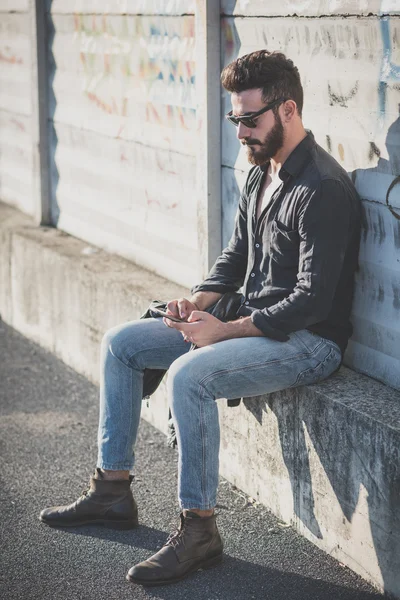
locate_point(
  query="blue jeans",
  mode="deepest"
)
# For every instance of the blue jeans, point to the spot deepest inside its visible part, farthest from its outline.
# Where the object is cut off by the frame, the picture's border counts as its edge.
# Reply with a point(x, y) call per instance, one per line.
point(234, 368)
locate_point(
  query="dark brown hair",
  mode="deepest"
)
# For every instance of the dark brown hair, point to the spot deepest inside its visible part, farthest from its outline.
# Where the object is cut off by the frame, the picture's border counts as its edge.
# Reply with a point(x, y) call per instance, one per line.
point(271, 72)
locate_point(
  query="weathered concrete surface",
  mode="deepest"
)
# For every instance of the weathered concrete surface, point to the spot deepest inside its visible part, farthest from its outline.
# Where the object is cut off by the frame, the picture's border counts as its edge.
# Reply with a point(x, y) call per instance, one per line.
point(131, 168)
point(325, 458)
point(125, 7)
point(64, 294)
point(309, 8)
point(16, 135)
point(48, 423)
point(208, 174)
point(349, 70)
point(123, 143)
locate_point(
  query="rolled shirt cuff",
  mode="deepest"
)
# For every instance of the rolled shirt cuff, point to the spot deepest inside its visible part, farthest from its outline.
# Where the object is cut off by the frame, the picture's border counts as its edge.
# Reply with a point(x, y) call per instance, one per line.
point(262, 322)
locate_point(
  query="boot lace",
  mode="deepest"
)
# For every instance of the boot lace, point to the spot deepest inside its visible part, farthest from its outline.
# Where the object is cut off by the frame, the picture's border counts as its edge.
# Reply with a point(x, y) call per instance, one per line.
point(88, 488)
point(85, 492)
point(175, 538)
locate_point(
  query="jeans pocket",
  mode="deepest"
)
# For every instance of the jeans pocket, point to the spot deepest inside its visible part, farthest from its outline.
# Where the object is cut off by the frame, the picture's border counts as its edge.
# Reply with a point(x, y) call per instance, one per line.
point(322, 370)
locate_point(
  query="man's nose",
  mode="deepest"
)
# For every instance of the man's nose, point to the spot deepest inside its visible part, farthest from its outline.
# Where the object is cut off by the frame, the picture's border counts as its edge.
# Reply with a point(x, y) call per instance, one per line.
point(242, 131)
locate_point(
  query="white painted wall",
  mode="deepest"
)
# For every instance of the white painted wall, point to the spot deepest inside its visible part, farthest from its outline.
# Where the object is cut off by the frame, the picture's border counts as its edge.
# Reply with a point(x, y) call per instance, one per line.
point(124, 138)
point(16, 153)
point(308, 8)
point(124, 144)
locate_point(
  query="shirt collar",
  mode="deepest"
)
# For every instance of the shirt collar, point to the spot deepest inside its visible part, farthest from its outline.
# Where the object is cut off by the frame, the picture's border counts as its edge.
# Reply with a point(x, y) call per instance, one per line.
point(296, 159)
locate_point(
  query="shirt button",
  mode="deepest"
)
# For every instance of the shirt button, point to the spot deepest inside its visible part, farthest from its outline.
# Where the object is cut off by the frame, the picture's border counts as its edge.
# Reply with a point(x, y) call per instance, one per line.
point(257, 245)
point(247, 302)
point(253, 275)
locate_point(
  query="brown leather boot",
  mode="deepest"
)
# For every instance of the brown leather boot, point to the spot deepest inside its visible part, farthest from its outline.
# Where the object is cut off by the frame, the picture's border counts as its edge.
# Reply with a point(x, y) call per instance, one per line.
point(195, 545)
point(106, 502)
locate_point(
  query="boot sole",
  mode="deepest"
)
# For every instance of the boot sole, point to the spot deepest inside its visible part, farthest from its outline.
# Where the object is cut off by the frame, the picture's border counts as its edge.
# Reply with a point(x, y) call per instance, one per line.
point(108, 524)
point(207, 564)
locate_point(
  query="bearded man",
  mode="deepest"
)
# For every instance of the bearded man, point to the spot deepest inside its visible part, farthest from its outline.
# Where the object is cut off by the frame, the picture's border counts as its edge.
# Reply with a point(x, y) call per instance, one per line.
point(293, 251)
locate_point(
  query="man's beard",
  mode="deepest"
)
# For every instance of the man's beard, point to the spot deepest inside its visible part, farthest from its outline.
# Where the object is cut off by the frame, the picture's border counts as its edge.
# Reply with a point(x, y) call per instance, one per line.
point(272, 143)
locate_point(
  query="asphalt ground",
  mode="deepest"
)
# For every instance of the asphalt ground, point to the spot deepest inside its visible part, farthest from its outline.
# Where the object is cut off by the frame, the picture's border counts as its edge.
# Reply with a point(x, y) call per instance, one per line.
point(48, 420)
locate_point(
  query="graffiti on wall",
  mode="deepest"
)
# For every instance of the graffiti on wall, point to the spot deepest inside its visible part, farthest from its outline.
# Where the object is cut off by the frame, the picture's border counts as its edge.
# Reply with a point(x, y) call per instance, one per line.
point(342, 48)
point(390, 75)
point(389, 72)
point(139, 63)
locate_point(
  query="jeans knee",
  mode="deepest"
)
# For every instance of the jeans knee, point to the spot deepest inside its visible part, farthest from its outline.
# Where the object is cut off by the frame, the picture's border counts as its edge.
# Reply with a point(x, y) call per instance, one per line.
point(185, 382)
point(179, 372)
point(176, 380)
point(114, 342)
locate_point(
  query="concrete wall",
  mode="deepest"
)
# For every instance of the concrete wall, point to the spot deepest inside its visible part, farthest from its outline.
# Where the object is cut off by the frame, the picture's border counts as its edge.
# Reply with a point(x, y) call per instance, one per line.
point(123, 119)
point(16, 126)
point(124, 156)
point(127, 151)
point(349, 61)
point(324, 458)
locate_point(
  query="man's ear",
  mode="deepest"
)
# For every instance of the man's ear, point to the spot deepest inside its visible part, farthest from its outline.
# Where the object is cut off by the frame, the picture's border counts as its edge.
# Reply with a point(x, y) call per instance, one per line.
point(289, 110)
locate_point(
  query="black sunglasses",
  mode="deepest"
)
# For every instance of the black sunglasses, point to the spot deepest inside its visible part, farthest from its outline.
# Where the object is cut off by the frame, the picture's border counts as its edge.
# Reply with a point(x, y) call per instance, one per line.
point(248, 120)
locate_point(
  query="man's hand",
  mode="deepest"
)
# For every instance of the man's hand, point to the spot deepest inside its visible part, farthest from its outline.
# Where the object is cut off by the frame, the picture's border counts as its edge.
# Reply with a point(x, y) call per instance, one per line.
point(201, 329)
point(182, 309)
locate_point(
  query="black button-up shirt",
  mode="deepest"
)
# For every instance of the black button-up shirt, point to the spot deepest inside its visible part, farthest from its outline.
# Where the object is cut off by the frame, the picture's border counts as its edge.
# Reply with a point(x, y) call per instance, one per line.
point(297, 263)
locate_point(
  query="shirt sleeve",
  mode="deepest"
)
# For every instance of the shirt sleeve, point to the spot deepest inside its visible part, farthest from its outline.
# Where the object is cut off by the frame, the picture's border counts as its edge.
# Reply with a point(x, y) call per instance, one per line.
point(229, 270)
point(324, 230)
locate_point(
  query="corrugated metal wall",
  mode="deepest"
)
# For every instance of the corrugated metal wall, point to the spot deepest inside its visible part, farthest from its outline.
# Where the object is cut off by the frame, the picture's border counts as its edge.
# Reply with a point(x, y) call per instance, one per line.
point(16, 156)
point(350, 68)
point(123, 115)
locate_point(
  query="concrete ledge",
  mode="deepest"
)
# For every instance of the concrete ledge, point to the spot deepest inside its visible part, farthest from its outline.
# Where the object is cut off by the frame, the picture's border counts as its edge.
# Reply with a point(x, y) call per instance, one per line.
point(324, 457)
point(64, 294)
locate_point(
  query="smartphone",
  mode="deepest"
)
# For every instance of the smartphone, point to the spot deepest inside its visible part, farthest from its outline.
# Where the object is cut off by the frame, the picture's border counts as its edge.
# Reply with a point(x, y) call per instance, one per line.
point(162, 313)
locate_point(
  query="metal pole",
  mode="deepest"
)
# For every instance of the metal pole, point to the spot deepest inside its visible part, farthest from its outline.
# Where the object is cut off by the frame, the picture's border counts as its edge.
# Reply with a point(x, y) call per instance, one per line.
point(208, 90)
point(40, 112)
